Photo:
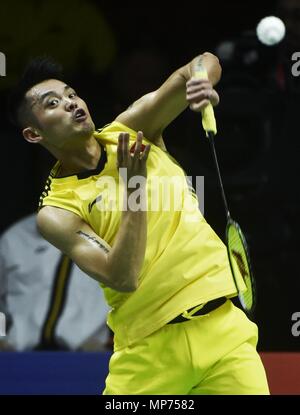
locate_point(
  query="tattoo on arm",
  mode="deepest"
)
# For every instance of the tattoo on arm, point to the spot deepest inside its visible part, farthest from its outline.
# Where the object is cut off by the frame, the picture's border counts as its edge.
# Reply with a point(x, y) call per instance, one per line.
point(93, 239)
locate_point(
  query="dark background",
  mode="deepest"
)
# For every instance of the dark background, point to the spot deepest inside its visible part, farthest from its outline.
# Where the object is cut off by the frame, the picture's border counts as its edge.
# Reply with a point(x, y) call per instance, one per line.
point(113, 54)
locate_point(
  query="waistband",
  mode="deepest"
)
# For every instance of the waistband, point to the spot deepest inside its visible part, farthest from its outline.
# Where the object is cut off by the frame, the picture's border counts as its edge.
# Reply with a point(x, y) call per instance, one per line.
point(207, 308)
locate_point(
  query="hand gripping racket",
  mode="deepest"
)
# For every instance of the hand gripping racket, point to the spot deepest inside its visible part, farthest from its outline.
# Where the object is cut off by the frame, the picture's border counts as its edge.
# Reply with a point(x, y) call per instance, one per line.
point(237, 248)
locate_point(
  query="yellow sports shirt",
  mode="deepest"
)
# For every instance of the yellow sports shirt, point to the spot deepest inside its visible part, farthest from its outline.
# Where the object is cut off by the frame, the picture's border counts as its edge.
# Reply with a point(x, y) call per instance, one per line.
point(185, 262)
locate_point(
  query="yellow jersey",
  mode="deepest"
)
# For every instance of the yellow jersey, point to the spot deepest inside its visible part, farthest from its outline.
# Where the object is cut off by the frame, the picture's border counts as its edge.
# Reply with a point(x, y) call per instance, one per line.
point(185, 263)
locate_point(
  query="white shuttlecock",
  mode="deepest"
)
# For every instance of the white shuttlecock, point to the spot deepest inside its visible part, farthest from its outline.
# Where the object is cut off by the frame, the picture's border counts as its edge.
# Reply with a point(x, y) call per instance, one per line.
point(270, 30)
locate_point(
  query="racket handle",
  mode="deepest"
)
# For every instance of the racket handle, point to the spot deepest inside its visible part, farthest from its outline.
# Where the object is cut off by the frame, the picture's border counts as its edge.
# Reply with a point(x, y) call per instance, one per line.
point(208, 117)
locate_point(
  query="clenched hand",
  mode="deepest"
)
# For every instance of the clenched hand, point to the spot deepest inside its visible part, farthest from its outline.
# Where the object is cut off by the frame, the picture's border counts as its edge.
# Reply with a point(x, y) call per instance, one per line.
point(199, 93)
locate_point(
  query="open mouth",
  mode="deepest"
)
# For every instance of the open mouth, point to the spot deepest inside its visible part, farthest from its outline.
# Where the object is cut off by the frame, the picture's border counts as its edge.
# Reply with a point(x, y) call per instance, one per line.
point(79, 115)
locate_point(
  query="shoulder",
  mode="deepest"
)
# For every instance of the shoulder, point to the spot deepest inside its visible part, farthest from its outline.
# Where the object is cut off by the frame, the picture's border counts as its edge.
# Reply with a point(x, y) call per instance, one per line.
point(55, 216)
point(55, 223)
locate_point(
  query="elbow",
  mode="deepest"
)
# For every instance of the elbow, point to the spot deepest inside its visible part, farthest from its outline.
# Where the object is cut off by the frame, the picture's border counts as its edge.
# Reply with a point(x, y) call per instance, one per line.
point(125, 287)
point(128, 283)
point(128, 288)
point(114, 284)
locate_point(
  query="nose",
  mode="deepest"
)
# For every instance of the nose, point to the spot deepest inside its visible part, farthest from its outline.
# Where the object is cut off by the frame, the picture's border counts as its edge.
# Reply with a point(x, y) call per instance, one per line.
point(71, 105)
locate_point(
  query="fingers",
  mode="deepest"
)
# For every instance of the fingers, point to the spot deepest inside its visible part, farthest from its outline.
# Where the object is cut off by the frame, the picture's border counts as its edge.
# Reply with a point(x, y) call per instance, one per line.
point(122, 149)
point(140, 152)
point(146, 152)
point(214, 99)
point(197, 82)
point(199, 93)
point(199, 90)
point(119, 150)
point(197, 107)
point(138, 145)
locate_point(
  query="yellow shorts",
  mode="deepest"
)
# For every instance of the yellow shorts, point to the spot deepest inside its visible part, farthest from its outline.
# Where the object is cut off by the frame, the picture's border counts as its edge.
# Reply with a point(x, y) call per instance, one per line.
point(214, 354)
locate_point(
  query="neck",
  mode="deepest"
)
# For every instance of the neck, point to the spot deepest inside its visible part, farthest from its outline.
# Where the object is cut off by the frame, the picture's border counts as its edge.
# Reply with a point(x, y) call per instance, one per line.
point(84, 155)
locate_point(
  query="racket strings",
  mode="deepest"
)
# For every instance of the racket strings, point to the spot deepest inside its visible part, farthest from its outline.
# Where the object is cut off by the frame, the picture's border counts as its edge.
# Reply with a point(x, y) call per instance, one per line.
point(239, 261)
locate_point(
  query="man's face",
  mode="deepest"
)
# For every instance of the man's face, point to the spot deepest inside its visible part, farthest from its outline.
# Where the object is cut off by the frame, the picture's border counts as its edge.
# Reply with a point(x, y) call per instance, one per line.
point(62, 116)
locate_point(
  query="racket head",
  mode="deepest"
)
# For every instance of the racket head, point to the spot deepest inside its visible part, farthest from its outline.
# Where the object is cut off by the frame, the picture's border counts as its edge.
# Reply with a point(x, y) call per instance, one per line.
point(240, 265)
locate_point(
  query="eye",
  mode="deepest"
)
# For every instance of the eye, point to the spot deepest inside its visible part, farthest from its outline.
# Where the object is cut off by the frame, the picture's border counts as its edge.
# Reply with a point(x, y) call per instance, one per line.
point(72, 94)
point(53, 102)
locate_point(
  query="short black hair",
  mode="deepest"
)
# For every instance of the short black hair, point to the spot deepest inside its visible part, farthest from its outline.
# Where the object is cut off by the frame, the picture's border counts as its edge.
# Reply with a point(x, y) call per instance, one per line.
point(38, 70)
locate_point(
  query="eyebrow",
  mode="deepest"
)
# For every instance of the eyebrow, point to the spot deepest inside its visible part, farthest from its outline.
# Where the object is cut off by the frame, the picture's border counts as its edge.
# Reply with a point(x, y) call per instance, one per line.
point(46, 94)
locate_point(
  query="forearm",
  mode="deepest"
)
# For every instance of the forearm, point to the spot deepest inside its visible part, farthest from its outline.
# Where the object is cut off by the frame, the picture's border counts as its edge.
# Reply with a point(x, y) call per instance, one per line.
point(126, 257)
point(156, 110)
point(125, 260)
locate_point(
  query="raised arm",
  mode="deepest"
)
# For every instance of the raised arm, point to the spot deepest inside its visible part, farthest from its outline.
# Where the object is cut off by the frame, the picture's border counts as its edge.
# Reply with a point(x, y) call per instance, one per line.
point(156, 110)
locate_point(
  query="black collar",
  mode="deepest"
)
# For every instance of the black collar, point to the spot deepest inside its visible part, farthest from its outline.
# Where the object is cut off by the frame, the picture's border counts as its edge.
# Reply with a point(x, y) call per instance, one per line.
point(100, 166)
point(87, 173)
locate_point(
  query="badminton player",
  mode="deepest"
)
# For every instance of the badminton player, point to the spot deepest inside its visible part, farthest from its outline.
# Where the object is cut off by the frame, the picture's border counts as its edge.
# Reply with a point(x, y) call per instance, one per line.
point(165, 272)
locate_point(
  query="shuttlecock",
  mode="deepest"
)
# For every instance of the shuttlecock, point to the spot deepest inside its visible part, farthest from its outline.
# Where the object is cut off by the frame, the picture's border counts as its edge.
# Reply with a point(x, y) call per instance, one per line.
point(270, 30)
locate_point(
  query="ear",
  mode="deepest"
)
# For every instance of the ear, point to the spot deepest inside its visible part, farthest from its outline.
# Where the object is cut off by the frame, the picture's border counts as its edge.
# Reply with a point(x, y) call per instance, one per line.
point(31, 135)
